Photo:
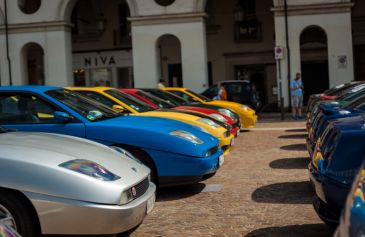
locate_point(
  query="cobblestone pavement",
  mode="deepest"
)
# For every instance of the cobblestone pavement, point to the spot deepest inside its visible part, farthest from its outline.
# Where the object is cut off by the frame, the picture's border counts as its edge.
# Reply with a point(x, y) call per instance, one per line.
point(261, 190)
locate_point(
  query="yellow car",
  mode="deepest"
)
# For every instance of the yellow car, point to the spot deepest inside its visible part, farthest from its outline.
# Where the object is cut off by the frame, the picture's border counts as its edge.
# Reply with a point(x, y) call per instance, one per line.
point(122, 102)
point(247, 115)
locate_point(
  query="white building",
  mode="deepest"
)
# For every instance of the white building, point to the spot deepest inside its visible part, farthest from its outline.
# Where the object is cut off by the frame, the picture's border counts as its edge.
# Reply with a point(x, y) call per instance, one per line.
point(190, 43)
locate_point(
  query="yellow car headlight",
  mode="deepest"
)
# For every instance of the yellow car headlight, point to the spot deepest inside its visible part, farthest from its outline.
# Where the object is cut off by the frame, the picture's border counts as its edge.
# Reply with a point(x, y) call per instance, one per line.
point(208, 122)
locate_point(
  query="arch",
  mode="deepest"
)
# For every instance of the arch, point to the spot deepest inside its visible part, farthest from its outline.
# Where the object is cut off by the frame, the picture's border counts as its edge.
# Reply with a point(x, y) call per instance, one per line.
point(313, 30)
point(168, 47)
point(314, 59)
point(32, 55)
point(66, 7)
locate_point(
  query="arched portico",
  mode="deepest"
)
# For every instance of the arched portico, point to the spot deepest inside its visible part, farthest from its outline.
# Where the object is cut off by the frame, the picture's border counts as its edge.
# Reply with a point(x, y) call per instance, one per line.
point(32, 56)
point(337, 26)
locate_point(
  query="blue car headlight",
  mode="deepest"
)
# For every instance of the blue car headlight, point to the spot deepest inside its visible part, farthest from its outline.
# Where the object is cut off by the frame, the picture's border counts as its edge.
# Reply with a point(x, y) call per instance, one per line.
point(186, 136)
point(89, 168)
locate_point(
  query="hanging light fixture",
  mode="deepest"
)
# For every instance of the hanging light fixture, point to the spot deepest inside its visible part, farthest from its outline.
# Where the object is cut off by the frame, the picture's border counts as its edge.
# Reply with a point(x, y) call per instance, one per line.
point(100, 22)
point(238, 12)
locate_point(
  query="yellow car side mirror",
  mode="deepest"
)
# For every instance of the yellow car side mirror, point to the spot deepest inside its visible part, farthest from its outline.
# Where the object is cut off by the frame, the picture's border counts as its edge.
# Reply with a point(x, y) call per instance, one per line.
point(118, 108)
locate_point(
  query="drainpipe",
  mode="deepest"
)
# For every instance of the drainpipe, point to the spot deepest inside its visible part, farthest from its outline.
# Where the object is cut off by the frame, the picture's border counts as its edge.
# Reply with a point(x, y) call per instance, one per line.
point(287, 46)
point(7, 42)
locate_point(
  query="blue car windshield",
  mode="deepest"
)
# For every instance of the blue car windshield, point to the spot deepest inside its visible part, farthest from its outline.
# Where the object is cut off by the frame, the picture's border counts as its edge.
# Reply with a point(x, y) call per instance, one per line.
point(90, 109)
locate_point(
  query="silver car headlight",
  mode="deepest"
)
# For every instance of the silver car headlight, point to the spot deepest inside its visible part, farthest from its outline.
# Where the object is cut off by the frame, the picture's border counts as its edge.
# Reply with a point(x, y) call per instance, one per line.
point(89, 168)
point(186, 136)
point(126, 153)
point(208, 122)
point(218, 117)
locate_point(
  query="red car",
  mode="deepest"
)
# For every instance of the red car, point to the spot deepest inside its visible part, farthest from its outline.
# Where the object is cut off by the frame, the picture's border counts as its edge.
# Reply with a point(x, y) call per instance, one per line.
point(199, 111)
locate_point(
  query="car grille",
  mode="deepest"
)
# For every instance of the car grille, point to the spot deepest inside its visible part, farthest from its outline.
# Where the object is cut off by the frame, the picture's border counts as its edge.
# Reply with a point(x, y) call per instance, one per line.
point(139, 189)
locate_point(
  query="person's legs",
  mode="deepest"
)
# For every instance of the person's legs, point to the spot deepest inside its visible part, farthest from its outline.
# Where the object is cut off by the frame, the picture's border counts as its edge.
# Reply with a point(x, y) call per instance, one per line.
point(300, 106)
point(294, 105)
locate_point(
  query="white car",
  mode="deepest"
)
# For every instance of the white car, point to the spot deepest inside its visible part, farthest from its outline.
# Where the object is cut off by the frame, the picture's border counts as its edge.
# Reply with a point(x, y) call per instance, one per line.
point(56, 184)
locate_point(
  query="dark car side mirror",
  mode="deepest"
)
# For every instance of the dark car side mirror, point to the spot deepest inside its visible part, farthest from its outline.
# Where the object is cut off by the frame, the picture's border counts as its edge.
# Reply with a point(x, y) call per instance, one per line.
point(62, 116)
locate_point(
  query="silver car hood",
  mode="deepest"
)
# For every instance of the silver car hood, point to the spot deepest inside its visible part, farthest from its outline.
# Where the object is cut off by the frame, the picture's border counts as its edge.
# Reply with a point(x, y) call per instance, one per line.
point(29, 162)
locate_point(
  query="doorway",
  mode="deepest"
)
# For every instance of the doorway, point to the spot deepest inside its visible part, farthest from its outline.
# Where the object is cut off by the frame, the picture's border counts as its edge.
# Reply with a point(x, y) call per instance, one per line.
point(175, 75)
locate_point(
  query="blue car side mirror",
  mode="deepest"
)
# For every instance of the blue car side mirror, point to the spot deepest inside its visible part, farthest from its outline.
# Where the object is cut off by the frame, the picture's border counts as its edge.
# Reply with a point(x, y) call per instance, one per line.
point(62, 116)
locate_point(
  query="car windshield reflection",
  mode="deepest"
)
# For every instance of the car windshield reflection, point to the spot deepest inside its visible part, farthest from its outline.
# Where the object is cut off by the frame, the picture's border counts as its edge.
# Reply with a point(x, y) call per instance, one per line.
point(88, 108)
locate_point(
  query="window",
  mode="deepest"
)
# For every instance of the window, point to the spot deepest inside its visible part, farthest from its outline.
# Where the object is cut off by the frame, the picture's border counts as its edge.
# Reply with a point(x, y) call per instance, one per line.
point(25, 109)
point(164, 3)
point(29, 6)
point(247, 27)
point(122, 35)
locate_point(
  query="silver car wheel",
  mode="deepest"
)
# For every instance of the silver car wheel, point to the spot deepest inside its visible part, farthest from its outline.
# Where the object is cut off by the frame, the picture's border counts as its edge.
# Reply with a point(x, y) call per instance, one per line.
point(7, 218)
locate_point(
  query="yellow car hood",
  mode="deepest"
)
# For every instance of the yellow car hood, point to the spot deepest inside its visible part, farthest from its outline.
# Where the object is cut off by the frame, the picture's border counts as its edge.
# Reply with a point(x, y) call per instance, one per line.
point(187, 118)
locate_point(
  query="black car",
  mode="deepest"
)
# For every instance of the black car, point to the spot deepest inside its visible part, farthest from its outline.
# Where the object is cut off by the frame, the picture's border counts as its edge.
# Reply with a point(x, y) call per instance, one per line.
point(240, 91)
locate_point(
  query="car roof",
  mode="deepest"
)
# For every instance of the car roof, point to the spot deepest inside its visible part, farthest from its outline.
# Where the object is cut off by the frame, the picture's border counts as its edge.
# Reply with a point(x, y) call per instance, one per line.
point(30, 88)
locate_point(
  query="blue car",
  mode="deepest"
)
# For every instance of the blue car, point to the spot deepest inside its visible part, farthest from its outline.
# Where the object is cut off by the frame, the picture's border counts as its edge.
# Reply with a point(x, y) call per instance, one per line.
point(336, 160)
point(352, 222)
point(177, 153)
point(329, 112)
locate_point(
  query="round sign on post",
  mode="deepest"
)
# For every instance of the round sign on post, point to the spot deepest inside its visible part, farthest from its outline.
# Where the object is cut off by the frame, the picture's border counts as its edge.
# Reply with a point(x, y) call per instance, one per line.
point(279, 52)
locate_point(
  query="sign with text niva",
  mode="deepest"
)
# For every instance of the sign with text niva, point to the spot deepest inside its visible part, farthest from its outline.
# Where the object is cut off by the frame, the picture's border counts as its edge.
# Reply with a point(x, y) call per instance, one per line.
point(97, 61)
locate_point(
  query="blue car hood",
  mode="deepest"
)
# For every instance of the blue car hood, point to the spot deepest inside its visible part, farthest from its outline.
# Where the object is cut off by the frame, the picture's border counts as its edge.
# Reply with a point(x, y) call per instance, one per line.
point(350, 123)
point(150, 133)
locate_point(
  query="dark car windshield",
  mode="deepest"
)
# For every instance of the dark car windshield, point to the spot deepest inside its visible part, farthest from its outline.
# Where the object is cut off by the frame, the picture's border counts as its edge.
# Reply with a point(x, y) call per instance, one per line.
point(88, 108)
point(157, 101)
point(341, 89)
point(202, 97)
point(352, 92)
point(132, 102)
point(172, 98)
point(358, 104)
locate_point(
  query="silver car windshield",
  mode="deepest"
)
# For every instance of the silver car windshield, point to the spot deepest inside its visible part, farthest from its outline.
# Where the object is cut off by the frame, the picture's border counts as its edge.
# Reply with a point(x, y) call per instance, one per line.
point(90, 109)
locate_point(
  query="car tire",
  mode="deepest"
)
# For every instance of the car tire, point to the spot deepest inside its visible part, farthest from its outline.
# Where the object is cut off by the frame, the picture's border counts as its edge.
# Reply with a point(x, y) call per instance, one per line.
point(23, 216)
point(145, 159)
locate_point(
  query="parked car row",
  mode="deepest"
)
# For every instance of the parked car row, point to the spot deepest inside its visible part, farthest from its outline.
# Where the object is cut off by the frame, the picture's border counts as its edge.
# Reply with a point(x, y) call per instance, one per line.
point(335, 123)
point(89, 160)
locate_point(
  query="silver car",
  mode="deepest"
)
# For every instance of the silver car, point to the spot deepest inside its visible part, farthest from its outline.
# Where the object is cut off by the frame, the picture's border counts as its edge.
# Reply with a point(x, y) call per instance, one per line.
point(56, 184)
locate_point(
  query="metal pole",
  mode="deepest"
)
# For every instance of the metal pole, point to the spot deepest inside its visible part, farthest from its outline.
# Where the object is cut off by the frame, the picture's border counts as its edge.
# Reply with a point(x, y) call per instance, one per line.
point(287, 46)
point(282, 110)
point(7, 42)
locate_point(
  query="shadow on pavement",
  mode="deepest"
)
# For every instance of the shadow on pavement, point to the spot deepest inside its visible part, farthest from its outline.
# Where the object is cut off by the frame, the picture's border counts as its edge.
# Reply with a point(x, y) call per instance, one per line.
point(290, 163)
point(294, 147)
point(294, 136)
point(308, 230)
point(179, 192)
point(285, 193)
point(296, 130)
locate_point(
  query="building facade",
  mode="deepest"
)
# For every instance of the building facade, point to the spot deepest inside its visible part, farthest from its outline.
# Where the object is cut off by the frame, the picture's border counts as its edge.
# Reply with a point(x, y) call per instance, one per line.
point(190, 43)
